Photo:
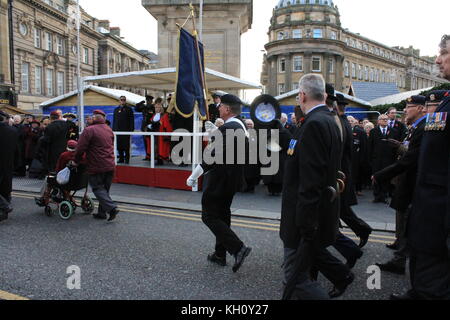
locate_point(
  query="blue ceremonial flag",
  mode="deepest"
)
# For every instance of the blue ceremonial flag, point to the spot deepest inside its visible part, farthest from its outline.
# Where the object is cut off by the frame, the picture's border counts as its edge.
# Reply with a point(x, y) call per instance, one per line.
point(190, 74)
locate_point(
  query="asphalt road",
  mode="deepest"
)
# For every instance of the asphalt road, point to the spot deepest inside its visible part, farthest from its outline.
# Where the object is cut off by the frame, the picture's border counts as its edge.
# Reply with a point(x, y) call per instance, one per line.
point(152, 254)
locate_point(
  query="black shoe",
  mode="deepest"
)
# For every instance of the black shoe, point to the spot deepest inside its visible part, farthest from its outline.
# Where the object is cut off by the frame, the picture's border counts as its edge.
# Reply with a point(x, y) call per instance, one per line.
point(240, 257)
point(392, 267)
point(393, 246)
point(351, 262)
point(339, 290)
point(410, 295)
point(363, 240)
point(99, 216)
point(113, 214)
point(221, 261)
point(3, 216)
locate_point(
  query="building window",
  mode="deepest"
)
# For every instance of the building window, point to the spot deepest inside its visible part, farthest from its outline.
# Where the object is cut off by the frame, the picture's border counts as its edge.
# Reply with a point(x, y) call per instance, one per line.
point(86, 55)
point(49, 82)
point(330, 65)
point(37, 38)
point(354, 70)
point(371, 74)
point(282, 65)
point(360, 72)
point(280, 35)
point(346, 69)
point(38, 80)
point(297, 34)
point(377, 75)
point(25, 77)
point(383, 76)
point(48, 41)
point(333, 35)
point(60, 46)
point(60, 83)
point(23, 29)
point(281, 89)
point(317, 34)
point(295, 85)
point(298, 64)
point(366, 73)
point(316, 64)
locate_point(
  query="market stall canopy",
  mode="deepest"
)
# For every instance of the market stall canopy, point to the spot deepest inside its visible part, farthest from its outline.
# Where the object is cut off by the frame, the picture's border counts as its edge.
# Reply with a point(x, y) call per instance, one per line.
point(165, 80)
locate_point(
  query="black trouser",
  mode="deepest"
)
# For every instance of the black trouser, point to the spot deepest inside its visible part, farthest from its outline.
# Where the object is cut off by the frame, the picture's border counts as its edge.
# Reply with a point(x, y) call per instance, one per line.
point(5, 189)
point(330, 266)
point(381, 190)
point(216, 215)
point(430, 275)
point(358, 226)
point(100, 184)
point(123, 148)
point(347, 247)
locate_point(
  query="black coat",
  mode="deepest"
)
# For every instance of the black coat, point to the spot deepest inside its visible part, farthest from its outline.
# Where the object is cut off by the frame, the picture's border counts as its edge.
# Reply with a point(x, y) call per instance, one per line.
point(222, 180)
point(381, 152)
point(54, 142)
point(429, 223)
point(147, 113)
point(406, 169)
point(214, 113)
point(360, 155)
point(123, 121)
point(8, 142)
point(348, 198)
point(309, 172)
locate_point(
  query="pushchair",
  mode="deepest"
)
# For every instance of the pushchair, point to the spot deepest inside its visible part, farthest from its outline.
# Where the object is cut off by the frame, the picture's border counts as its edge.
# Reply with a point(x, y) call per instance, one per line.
point(63, 196)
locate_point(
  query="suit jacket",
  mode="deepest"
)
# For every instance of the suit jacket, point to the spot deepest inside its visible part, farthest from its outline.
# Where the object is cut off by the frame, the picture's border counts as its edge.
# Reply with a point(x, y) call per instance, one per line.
point(381, 153)
point(222, 179)
point(123, 119)
point(147, 113)
point(399, 131)
point(309, 171)
point(406, 168)
point(429, 223)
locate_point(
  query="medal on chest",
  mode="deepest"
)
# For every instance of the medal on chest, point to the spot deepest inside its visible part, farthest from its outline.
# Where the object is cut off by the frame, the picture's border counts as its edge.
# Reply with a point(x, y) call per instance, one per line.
point(436, 121)
point(292, 146)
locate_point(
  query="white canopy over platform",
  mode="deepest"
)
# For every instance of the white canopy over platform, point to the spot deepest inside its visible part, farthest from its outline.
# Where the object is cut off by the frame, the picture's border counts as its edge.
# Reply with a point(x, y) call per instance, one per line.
point(165, 80)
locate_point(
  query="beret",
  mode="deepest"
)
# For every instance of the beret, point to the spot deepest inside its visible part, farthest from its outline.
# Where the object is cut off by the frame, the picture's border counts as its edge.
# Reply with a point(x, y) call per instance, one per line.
point(230, 99)
point(98, 111)
point(416, 100)
point(437, 96)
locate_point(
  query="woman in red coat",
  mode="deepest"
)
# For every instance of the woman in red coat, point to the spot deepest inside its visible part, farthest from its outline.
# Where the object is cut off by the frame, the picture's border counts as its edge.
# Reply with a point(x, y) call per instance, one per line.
point(160, 123)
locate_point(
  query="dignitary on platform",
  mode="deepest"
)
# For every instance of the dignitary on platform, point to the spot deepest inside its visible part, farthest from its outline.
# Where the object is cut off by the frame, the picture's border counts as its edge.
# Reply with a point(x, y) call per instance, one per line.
point(123, 121)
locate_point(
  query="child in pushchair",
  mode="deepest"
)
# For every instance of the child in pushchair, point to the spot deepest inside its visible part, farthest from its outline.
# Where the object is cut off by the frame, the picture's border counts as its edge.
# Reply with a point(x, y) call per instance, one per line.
point(64, 195)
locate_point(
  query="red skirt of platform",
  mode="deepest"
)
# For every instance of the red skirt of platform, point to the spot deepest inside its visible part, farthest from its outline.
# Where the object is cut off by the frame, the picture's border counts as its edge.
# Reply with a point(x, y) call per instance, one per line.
point(158, 178)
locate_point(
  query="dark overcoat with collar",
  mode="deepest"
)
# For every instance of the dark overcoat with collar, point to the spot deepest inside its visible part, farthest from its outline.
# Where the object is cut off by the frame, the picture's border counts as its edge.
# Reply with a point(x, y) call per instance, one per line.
point(429, 223)
point(309, 171)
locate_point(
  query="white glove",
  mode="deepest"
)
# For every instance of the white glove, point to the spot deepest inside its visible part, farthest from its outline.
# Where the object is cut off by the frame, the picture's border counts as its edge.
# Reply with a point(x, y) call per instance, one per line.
point(197, 173)
point(210, 127)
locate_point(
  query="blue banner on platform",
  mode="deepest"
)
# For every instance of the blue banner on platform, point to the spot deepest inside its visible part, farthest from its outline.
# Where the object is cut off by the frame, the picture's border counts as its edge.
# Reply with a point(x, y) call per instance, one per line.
point(191, 70)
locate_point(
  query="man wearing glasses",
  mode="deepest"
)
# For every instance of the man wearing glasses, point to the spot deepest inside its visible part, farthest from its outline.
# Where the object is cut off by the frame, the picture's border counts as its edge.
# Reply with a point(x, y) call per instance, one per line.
point(382, 154)
point(123, 122)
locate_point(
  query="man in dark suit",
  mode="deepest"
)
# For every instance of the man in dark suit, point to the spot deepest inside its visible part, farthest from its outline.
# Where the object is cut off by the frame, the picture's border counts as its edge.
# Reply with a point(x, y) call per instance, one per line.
point(223, 179)
point(429, 222)
point(8, 141)
point(406, 169)
point(310, 205)
point(359, 158)
point(382, 154)
point(213, 108)
point(55, 140)
point(399, 130)
point(123, 122)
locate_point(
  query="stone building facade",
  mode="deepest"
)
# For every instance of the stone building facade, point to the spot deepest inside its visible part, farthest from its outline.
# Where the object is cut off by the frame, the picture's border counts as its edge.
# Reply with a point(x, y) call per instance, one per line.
point(224, 21)
point(45, 50)
point(306, 36)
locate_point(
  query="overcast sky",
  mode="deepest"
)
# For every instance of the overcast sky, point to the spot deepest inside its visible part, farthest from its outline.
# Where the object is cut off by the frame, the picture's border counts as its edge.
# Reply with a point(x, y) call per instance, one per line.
point(391, 22)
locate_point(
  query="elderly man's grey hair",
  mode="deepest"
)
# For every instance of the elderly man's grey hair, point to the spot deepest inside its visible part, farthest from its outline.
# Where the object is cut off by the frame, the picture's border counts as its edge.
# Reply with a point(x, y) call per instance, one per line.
point(313, 85)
